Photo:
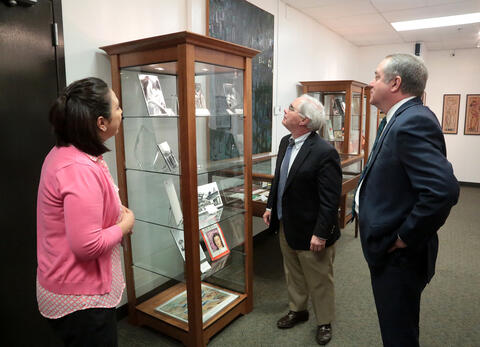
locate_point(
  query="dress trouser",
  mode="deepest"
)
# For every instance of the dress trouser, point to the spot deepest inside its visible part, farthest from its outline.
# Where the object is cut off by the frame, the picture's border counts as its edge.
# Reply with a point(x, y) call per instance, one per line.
point(397, 289)
point(91, 327)
point(309, 274)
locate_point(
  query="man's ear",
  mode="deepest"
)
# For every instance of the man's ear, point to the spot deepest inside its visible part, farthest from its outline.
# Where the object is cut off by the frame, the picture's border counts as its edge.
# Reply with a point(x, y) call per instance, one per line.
point(102, 123)
point(305, 121)
point(396, 83)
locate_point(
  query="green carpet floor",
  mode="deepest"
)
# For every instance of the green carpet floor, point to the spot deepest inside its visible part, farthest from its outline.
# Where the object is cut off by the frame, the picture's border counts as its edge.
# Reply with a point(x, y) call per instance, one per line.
point(450, 311)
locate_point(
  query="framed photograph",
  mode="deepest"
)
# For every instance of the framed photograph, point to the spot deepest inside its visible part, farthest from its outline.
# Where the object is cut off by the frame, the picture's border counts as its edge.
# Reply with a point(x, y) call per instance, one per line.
point(472, 115)
point(180, 242)
point(168, 155)
point(215, 241)
point(200, 102)
point(451, 109)
point(338, 135)
point(209, 199)
point(213, 301)
point(173, 199)
point(153, 95)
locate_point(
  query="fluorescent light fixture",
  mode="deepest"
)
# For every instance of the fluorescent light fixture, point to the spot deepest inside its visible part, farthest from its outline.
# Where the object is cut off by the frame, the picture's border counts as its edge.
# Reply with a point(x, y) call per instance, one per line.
point(159, 68)
point(204, 69)
point(437, 22)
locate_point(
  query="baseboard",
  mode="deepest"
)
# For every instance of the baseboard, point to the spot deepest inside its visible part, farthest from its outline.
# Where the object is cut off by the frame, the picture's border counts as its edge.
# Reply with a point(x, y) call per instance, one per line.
point(470, 184)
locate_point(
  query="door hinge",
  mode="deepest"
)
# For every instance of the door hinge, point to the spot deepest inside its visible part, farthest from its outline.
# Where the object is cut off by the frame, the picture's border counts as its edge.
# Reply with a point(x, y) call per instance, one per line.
point(55, 34)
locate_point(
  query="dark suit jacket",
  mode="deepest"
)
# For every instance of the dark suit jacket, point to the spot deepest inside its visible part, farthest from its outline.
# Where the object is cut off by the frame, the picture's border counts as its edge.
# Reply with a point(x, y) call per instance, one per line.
point(408, 188)
point(312, 193)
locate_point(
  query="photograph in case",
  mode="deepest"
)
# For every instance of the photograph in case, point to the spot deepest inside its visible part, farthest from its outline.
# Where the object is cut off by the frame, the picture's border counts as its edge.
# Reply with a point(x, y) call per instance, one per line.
point(213, 301)
point(215, 241)
point(200, 102)
point(209, 199)
point(180, 242)
point(168, 155)
point(153, 95)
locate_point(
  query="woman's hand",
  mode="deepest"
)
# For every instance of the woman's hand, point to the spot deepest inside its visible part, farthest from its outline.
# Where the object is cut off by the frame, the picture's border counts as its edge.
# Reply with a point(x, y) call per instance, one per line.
point(127, 220)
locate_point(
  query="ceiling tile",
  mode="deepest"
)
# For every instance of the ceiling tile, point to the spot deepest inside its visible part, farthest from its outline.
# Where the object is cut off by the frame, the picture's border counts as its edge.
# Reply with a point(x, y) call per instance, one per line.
point(341, 8)
point(389, 5)
point(301, 4)
point(450, 9)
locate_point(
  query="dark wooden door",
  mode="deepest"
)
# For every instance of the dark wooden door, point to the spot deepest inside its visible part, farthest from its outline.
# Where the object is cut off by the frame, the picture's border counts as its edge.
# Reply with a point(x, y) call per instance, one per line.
point(31, 73)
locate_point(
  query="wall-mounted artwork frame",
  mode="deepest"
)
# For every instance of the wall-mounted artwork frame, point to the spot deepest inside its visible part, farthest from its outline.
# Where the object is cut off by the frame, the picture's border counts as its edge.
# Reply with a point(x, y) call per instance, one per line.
point(472, 115)
point(451, 110)
point(243, 23)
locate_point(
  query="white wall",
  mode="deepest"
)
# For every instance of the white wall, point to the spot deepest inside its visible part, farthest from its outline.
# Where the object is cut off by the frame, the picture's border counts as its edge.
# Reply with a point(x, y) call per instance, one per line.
point(456, 75)
point(90, 24)
point(447, 75)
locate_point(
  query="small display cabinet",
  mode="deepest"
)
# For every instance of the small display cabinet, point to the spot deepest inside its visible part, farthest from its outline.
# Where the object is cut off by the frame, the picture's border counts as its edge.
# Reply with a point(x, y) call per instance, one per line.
point(347, 110)
point(184, 168)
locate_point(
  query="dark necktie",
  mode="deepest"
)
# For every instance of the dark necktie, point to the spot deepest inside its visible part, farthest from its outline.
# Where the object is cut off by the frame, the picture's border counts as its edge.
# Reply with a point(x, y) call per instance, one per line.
point(381, 126)
point(283, 176)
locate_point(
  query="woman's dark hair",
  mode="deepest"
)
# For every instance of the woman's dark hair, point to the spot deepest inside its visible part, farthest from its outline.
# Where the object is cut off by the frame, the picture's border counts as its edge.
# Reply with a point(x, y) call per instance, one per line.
point(74, 115)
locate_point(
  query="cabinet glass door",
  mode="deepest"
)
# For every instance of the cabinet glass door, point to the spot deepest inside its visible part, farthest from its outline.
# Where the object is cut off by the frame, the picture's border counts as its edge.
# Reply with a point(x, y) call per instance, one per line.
point(221, 171)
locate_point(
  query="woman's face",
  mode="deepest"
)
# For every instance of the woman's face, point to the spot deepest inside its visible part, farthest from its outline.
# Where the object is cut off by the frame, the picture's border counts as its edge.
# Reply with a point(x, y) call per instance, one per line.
point(217, 241)
point(110, 127)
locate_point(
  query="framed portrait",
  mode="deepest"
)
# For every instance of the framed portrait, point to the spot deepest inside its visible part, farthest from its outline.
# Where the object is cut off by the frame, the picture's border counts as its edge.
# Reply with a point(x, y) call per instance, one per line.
point(472, 115)
point(451, 109)
point(215, 241)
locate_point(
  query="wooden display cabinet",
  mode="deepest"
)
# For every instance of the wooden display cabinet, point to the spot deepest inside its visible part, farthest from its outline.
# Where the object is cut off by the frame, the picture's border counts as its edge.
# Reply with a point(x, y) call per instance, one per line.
point(347, 111)
point(186, 102)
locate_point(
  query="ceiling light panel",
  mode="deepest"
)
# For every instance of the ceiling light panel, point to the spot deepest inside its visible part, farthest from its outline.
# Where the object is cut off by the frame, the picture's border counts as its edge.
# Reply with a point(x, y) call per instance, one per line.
point(437, 22)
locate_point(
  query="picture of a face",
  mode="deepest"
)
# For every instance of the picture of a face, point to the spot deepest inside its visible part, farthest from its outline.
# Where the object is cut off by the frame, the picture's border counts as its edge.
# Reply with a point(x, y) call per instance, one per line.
point(218, 241)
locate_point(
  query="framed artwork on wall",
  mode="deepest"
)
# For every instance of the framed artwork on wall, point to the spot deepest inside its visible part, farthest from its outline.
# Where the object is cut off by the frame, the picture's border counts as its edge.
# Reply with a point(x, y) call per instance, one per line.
point(451, 109)
point(243, 23)
point(472, 115)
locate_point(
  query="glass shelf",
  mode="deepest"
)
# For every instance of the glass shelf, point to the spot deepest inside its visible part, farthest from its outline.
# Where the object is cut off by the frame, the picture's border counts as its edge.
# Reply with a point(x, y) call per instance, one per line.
point(152, 259)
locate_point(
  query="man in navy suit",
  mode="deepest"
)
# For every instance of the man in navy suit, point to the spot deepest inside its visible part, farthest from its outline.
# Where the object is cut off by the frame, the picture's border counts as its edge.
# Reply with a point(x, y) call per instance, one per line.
point(303, 206)
point(404, 196)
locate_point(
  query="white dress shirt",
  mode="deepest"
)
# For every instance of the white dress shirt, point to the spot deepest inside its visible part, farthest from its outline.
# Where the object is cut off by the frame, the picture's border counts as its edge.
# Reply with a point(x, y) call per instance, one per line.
point(389, 116)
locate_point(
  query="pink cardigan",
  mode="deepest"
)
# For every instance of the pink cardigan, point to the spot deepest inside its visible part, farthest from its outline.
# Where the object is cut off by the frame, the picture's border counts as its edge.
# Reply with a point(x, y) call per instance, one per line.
point(77, 209)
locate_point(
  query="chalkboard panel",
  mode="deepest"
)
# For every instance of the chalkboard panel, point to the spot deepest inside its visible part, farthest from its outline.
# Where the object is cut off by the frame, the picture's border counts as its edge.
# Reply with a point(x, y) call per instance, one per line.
point(242, 23)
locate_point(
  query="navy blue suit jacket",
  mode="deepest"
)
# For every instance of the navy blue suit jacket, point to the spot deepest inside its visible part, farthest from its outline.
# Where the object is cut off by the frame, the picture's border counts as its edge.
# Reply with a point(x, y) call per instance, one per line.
point(311, 195)
point(409, 187)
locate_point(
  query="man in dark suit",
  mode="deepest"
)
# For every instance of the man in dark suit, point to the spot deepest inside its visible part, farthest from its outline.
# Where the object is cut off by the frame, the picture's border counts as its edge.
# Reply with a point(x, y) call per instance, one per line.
point(303, 206)
point(404, 196)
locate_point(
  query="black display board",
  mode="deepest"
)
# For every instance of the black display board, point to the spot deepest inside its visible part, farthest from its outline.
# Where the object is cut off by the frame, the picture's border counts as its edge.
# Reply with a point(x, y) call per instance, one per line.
point(240, 22)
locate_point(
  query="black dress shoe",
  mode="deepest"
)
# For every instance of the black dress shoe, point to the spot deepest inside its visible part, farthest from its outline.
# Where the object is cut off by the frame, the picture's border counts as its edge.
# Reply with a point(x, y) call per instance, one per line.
point(292, 318)
point(324, 334)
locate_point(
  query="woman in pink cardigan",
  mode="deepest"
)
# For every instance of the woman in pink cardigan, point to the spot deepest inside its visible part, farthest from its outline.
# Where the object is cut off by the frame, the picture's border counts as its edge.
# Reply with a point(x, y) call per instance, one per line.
point(80, 219)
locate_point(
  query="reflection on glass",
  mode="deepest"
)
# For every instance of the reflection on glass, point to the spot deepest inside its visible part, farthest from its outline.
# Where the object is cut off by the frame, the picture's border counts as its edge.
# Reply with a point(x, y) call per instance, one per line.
point(146, 150)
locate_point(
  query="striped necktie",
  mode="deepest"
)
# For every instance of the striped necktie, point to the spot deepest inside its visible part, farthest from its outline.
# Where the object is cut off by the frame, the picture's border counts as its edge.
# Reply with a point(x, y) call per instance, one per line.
point(283, 176)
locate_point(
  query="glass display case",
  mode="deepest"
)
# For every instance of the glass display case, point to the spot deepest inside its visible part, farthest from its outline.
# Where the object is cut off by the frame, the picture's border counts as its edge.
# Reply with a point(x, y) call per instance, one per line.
point(347, 111)
point(184, 168)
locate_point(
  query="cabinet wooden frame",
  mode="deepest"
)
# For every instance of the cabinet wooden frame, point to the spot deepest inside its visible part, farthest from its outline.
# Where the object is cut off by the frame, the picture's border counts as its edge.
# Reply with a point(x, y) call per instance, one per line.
point(349, 87)
point(186, 49)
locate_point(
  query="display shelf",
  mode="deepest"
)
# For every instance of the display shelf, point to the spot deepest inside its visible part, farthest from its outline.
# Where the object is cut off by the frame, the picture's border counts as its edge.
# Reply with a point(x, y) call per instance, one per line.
point(185, 142)
point(147, 308)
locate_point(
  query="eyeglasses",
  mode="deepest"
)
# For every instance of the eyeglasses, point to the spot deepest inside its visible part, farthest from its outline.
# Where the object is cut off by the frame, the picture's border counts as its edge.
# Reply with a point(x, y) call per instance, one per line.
point(293, 109)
